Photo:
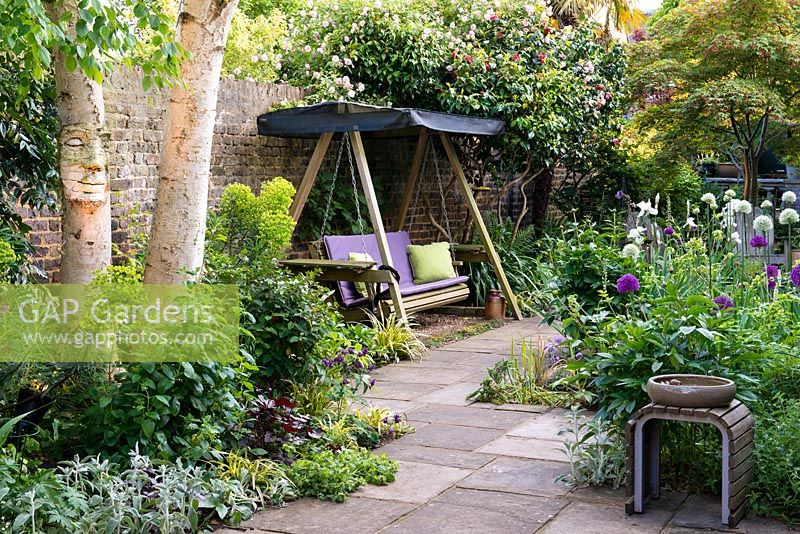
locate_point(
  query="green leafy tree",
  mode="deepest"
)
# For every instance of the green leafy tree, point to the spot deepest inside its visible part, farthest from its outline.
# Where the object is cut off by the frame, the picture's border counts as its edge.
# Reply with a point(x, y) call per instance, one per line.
point(722, 75)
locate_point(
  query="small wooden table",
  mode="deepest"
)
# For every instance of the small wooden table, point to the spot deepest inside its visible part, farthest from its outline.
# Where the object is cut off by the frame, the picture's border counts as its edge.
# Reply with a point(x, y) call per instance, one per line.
point(642, 434)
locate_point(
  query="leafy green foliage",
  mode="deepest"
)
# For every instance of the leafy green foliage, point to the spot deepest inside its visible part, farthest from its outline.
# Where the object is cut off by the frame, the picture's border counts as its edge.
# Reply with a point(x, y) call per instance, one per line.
point(392, 339)
point(253, 47)
point(331, 476)
point(596, 451)
point(776, 489)
point(97, 495)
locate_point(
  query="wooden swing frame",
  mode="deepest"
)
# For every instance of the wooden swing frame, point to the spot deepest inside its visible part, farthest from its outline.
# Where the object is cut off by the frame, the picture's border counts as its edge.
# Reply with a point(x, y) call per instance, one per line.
point(360, 271)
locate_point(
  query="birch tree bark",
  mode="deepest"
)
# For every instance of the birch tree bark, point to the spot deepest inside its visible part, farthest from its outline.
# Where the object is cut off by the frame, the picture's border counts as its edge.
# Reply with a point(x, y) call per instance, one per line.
point(179, 223)
point(86, 220)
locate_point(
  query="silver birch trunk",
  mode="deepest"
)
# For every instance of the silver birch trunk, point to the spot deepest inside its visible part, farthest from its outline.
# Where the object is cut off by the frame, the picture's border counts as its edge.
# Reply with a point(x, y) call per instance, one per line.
point(176, 245)
point(86, 203)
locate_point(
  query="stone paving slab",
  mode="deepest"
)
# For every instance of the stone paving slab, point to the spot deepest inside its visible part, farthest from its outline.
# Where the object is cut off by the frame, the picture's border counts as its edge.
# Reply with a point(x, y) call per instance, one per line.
point(436, 455)
point(591, 518)
point(461, 438)
point(545, 426)
point(453, 395)
point(514, 475)
point(528, 508)
point(400, 391)
point(443, 518)
point(311, 516)
point(416, 483)
point(468, 416)
point(421, 375)
point(525, 448)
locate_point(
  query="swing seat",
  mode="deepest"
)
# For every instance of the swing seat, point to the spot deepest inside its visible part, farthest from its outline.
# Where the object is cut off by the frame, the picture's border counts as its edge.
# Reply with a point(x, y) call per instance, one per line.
point(339, 247)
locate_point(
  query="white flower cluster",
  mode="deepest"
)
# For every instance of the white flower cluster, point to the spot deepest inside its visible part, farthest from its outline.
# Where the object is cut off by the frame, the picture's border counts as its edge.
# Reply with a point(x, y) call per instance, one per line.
point(788, 216)
point(709, 199)
point(788, 198)
point(763, 223)
point(631, 251)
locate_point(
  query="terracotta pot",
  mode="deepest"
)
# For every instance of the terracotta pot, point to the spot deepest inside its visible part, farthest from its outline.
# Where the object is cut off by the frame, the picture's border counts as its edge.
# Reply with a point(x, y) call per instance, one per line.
point(495, 305)
point(727, 170)
point(691, 391)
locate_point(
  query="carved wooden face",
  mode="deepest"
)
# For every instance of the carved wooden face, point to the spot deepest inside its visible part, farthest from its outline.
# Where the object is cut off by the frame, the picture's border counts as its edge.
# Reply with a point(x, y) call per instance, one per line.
point(83, 164)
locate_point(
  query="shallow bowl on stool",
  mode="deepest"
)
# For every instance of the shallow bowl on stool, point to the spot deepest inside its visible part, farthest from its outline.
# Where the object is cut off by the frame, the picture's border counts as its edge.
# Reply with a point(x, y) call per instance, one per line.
point(691, 391)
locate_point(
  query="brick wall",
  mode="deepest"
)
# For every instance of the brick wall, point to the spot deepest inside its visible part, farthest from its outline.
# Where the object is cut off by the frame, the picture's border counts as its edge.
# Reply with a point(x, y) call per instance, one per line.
point(135, 121)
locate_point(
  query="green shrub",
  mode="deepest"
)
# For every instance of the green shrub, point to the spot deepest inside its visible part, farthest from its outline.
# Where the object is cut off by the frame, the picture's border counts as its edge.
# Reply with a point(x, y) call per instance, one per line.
point(595, 450)
point(776, 488)
point(331, 476)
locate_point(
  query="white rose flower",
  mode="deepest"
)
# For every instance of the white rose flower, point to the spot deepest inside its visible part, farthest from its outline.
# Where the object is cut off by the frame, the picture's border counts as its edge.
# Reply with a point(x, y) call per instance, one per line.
point(789, 197)
point(351, 93)
point(788, 216)
point(631, 251)
point(766, 205)
point(763, 223)
point(744, 207)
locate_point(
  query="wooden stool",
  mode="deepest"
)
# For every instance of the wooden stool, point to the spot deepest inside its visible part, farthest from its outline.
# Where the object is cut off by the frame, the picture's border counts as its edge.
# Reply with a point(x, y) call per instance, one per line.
point(643, 432)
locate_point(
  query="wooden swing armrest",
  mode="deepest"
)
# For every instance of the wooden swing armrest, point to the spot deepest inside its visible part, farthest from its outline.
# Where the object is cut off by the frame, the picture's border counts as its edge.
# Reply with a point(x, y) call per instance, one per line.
point(339, 270)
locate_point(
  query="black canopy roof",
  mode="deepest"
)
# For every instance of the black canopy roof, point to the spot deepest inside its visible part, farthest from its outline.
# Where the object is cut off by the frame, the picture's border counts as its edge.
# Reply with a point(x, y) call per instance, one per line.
point(337, 117)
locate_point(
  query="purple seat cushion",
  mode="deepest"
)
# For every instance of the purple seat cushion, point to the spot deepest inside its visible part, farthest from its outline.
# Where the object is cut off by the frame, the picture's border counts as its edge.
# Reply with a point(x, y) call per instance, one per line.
point(339, 247)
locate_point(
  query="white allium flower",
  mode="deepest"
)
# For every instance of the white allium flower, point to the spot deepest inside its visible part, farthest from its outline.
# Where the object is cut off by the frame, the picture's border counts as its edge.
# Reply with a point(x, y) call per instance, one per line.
point(744, 207)
point(788, 216)
point(763, 223)
point(736, 237)
point(696, 211)
point(766, 205)
point(789, 197)
point(708, 198)
point(730, 193)
point(631, 251)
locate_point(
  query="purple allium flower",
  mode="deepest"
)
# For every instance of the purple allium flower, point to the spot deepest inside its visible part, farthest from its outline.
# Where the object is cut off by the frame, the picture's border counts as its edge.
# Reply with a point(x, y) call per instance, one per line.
point(668, 230)
point(723, 302)
point(794, 276)
point(772, 273)
point(619, 194)
point(758, 241)
point(579, 356)
point(627, 283)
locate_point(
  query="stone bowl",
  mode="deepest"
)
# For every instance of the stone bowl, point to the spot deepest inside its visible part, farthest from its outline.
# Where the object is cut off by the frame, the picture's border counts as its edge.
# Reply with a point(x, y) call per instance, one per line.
point(691, 391)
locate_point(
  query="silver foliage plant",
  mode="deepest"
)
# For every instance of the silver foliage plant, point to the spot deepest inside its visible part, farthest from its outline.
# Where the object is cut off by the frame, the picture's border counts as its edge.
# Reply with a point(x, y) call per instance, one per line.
point(596, 451)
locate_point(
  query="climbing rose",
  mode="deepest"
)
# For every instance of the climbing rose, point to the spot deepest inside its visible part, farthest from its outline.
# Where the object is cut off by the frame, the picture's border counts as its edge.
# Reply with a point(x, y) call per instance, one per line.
point(723, 302)
point(627, 283)
point(758, 241)
point(794, 276)
point(772, 275)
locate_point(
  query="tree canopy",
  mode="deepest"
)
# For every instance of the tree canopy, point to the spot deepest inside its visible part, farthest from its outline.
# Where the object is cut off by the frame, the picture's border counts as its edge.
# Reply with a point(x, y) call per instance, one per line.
point(722, 75)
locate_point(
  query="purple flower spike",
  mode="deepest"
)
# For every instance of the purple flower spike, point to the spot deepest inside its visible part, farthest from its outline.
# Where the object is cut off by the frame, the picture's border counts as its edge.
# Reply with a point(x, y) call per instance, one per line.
point(794, 276)
point(758, 241)
point(619, 195)
point(772, 273)
point(668, 230)
point(327, 363)
point(723, 302)
point(627, 283)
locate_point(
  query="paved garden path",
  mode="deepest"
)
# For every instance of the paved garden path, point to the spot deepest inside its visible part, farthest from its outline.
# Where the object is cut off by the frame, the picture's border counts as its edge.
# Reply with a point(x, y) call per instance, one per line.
point(479, 468)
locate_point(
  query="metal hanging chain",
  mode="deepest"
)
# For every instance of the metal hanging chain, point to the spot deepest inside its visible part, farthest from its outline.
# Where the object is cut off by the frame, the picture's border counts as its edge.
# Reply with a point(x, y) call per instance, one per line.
point(333, 188)
point(355, 191)
point(443, 199)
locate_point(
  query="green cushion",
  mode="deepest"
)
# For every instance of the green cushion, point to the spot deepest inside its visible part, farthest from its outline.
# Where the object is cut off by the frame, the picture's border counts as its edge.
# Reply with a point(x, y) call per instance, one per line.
point(361, 287)
point(430, 263)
